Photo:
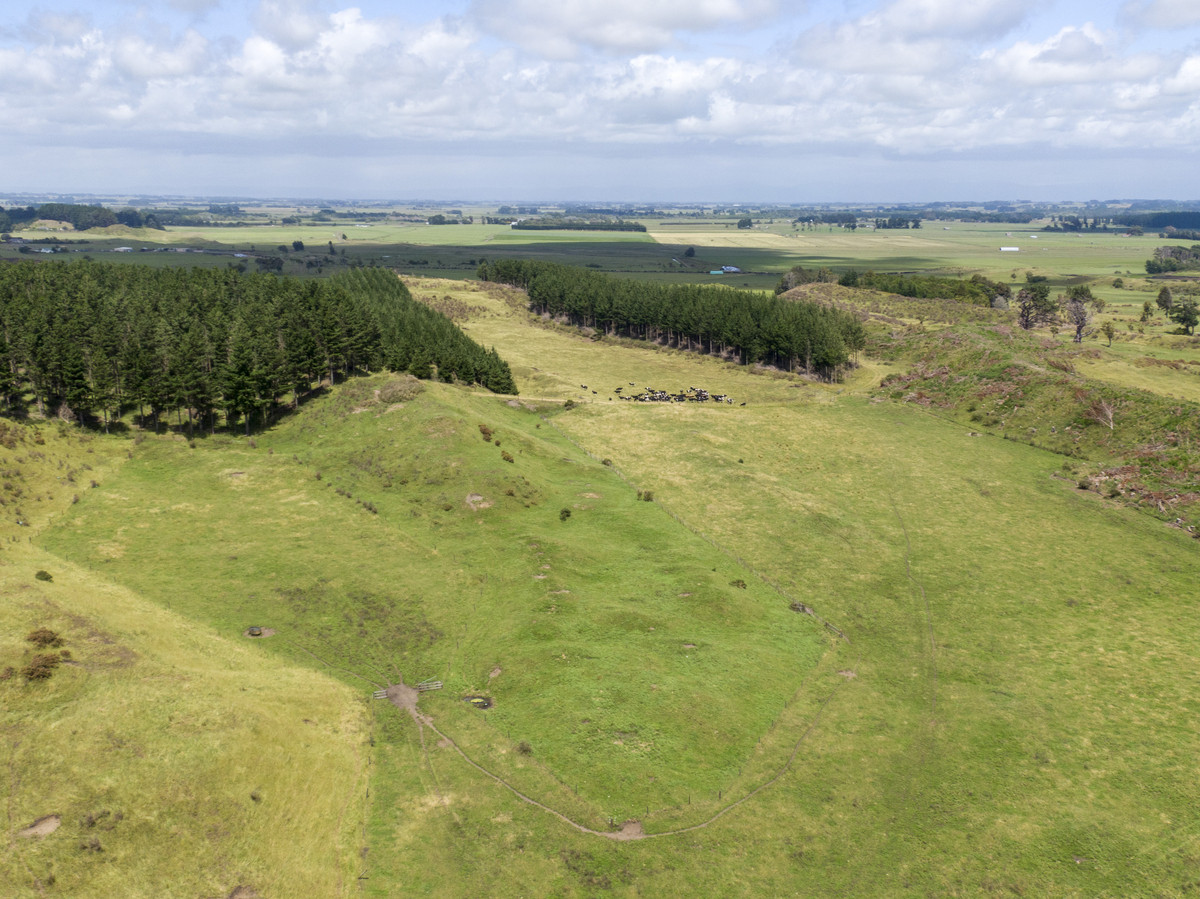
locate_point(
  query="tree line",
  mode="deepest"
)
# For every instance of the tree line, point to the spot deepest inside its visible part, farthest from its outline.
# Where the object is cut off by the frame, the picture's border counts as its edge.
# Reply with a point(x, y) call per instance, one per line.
point(91, 341)
point(976, 290)
point(552, 223)
point(755, 327)
point(81, 218)
point(1173, 259)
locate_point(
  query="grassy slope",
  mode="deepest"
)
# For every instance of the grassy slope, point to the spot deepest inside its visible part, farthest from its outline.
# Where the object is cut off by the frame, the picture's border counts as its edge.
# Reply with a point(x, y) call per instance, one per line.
point(1061, 660)
point(1018, 715)
point(175, 757)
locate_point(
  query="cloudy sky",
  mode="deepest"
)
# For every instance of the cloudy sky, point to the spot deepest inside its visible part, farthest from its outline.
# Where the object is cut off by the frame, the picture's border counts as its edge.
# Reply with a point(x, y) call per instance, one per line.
point(622, 100)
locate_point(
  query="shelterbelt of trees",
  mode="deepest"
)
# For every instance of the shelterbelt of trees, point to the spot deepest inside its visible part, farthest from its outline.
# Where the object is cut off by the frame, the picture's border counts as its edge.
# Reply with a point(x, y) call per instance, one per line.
point(90, 341)
point(1174, 259)
point(756, 327)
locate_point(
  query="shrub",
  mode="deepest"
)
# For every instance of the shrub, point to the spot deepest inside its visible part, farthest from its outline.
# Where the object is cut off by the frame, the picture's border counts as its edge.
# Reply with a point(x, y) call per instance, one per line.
point(739, 583)
point(44, 637)
point(486, 432)
point(506, 456)
point(564, 514)
point(569, 404)
point(40, 667)
point(44, 575)
point(524, 748)
point(607, 462)
point(646, 496)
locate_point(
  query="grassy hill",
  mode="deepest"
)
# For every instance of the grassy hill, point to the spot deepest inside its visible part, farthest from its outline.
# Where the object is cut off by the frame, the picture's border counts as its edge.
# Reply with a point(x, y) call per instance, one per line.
point(1010, 712)
point(160, 757)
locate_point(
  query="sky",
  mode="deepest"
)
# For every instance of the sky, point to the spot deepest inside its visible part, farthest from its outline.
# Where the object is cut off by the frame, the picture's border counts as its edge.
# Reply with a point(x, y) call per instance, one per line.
point(781, 101)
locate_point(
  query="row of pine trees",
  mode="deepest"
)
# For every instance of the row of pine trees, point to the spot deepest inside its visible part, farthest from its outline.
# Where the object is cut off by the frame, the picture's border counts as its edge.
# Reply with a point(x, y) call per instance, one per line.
point(754, 327)
point(93, 341)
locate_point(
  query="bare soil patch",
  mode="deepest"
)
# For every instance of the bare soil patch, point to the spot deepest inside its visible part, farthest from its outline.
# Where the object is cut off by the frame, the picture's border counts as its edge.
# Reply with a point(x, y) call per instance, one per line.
point(848, 674)
point(495, 672)
point(42, 827)
point(404, 697)
point(630, 830)
point(476, 501)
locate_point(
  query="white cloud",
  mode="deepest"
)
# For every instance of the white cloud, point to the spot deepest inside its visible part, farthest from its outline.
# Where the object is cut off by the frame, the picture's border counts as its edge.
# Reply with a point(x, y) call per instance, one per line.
point(1074, 55)
point(140, 58)
point(1162, 13)
point(559, 30)
point(912, 77)
point(194, 6)
point(951, 18)
point(294, 24)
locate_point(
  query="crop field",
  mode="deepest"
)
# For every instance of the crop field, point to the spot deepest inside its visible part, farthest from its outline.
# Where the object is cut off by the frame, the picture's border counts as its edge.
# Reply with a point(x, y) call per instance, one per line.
point(638, 594)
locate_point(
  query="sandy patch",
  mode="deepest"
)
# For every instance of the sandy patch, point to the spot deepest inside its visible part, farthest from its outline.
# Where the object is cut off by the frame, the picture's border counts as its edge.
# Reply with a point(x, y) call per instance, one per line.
point(476, 501)
point(630, 830)
point(591, 495)
point(848, 674)
point(42, 827)
point(495, 672)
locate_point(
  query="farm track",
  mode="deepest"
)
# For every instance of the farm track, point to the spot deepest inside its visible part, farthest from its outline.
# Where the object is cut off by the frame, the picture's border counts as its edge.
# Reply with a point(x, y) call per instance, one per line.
point(630, 830)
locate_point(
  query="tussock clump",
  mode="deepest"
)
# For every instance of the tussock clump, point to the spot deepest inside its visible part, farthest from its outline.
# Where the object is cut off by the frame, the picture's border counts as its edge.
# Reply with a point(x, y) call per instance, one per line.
point(400, 390)
point(41, 667)
point(44, 637)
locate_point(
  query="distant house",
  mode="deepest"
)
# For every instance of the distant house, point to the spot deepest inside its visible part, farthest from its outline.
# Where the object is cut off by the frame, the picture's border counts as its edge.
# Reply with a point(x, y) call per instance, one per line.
point(717, 272)
point(731, 270)
point(1010, 249)
point(122, 249)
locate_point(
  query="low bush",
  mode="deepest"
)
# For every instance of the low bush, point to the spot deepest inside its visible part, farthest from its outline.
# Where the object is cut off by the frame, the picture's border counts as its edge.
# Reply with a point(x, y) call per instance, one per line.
point(40, 667)
point(44, 637)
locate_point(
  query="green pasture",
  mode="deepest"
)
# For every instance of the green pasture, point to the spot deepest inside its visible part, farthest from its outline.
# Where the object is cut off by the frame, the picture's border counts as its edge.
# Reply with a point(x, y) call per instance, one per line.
point(1010, 713)
point(764, 252)
point(161, 757)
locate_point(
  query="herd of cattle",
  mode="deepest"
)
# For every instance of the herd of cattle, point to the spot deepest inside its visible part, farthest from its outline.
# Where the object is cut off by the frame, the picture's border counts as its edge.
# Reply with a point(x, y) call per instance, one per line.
point(651, 395)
